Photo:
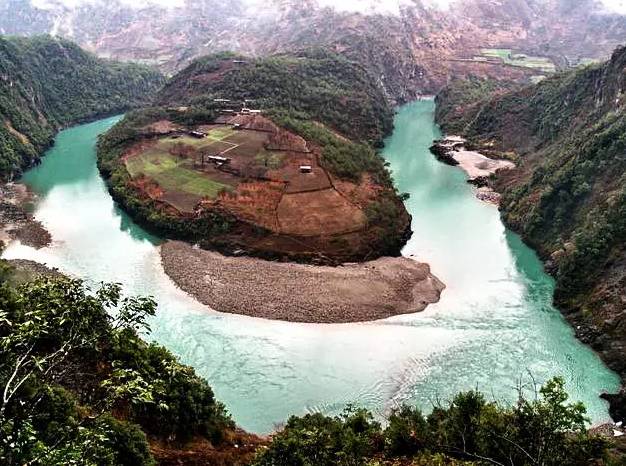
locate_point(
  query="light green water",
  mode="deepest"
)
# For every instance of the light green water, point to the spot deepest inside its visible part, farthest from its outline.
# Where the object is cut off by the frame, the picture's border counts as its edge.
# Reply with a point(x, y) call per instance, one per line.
point(493, 326)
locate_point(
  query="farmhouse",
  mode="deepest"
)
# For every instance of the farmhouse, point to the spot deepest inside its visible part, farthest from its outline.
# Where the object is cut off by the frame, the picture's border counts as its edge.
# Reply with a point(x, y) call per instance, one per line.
point(218, 160)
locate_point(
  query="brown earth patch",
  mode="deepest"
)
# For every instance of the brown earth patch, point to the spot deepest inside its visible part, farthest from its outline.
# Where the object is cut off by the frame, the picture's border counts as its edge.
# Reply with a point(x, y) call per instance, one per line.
point(255, 202)
point(319, 213)
point(361, 194)
point(296, 181)
point(237, 448)
point(183, 202)
point(283, 140)
point(161, 127)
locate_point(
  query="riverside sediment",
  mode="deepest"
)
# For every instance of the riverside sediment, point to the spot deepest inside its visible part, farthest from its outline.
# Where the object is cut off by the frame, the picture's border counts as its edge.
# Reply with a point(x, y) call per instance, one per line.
point(16, 223)
point(302, 293)
point(479, 168)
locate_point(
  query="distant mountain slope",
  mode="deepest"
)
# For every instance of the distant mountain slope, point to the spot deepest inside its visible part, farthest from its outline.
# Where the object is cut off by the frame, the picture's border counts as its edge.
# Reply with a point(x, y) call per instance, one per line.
point(568, 196)
point(412, 51)
point(48, 83)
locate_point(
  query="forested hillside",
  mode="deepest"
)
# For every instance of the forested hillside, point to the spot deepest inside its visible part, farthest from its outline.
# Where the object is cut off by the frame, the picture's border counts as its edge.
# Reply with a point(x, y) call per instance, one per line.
point(48, 83)
point(315, 84)
point(568, 196)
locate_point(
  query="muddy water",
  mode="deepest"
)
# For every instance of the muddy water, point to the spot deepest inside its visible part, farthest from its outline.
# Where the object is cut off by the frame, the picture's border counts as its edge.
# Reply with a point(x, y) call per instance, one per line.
point(493, 326)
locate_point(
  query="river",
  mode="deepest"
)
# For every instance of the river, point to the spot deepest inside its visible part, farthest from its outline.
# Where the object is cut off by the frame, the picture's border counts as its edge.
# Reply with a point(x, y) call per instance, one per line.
point(493, 327)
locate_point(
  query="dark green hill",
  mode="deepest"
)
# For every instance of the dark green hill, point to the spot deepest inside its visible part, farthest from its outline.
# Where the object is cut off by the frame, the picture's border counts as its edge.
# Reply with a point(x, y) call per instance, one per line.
point(568, 196)
point(48, 83)
point(318, 84)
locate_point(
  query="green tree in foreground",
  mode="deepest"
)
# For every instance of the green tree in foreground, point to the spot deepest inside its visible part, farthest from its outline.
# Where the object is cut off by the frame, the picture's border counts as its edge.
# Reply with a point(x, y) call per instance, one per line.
point(78, 385)
point(546, 431)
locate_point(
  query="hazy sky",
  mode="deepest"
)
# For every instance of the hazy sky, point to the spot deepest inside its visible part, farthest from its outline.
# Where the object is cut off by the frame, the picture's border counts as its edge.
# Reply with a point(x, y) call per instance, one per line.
point(379, 6)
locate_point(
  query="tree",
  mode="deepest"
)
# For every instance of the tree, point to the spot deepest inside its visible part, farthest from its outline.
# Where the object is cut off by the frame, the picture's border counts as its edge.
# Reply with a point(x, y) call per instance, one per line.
point(51, 332)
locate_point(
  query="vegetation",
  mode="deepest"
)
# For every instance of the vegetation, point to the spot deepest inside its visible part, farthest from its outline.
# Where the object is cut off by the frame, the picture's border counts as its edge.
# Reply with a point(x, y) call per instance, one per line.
point(317, 84)
point(171, 173)
point(542, 430)
point(317, 95)
point(80, 387)
point(568, 197)
point(519, 59)
point(110, 149)
point(48, 83)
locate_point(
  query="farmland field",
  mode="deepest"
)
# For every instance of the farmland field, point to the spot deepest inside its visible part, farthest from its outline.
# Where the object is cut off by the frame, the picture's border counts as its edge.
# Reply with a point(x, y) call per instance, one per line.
point(173, 174)
point(519, 59)
point(258, 183)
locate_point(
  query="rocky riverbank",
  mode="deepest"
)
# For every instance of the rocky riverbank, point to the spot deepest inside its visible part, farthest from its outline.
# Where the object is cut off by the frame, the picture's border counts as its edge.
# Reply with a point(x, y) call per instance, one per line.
point(302, 293)
point(16, 223)
point(451, 150)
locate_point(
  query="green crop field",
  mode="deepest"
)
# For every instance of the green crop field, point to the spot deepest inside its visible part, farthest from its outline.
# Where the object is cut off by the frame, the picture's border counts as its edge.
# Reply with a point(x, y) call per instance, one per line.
point(221, 133)
point(167, 143)
point(519, 59)
point(172, 175)
point(504, 54)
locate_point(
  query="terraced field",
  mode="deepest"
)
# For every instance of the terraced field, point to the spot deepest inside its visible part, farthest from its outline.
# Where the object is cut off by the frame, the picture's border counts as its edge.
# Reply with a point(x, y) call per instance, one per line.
point(261, 182)
point(519, 59)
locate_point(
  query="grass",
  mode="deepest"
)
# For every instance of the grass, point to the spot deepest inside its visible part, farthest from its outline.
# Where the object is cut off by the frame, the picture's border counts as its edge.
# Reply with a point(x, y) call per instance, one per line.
point(172, 175)
point(271, 160)
point(519, 59)
point(221, 133)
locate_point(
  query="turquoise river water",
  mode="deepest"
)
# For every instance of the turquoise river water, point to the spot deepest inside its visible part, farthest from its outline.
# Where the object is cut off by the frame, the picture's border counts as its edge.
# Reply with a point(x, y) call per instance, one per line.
point(493, 327)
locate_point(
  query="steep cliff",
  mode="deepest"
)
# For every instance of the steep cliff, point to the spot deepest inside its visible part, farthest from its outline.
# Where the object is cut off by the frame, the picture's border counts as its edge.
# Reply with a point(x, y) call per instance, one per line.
point(568, 196)
point(48, 83)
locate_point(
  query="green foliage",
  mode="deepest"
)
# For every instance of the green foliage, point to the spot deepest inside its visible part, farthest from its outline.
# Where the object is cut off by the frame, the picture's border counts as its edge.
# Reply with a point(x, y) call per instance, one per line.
point(341, 157)
point(70, 355)
point(546, 430)
point(325, 86)
point(567, 200)
point(317, 440)
point(407, 432)
point(48, 83)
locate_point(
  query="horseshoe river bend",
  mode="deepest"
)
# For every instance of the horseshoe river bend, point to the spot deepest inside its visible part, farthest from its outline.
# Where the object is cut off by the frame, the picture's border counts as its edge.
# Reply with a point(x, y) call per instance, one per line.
point(494, 326)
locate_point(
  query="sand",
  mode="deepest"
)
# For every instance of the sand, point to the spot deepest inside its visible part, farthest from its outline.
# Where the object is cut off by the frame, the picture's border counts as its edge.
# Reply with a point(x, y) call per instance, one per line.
point(477, 165)
point(301, 293)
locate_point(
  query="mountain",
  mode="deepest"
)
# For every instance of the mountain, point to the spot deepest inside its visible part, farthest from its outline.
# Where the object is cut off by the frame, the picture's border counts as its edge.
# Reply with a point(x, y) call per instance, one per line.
point(48, 83)
point(567, 197)
point(412, 49)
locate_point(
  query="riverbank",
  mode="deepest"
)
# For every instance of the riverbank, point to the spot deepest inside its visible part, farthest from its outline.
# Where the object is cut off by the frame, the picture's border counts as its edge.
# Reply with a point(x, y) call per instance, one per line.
point(16, 223)
point(301, 293)
point(479, 168)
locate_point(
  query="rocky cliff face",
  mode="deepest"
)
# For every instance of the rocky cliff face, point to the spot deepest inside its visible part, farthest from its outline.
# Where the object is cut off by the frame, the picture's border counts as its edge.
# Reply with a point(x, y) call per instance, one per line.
point(568, 196)
point(412, 50)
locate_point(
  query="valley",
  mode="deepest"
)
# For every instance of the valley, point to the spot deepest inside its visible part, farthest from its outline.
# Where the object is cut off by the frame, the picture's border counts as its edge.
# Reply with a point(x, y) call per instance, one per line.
point(497, 306)
point(367, 234)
